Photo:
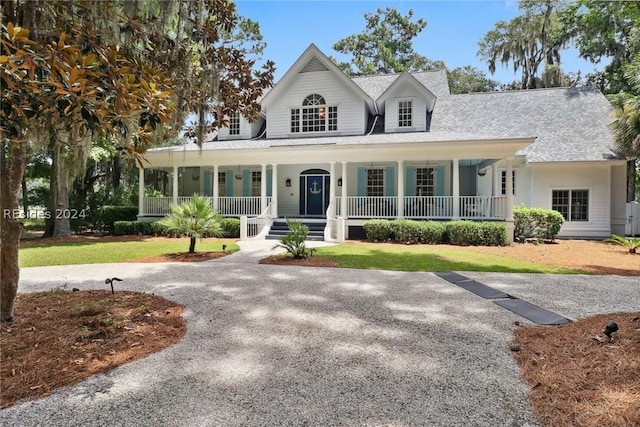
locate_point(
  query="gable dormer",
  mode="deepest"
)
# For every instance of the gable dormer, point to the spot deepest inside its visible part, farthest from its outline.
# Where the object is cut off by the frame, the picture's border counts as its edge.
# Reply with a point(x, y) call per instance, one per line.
point(406, 105)
point(315, 98)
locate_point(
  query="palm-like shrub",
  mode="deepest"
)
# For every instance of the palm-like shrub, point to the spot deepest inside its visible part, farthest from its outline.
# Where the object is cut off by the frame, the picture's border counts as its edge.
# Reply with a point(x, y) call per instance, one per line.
point(631, 243)
point(195, 219)
point(294, 240)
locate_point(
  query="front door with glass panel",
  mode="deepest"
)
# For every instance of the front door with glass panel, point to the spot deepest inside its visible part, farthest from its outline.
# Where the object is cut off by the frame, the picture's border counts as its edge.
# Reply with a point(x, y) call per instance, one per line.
point(314, 194)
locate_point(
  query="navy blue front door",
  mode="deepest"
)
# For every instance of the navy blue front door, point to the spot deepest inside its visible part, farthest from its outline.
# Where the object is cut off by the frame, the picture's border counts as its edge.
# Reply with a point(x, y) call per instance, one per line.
point(314, 194)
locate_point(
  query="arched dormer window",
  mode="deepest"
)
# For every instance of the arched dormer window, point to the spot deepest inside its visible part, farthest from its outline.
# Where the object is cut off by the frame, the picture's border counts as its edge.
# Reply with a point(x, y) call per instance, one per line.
point(314, 116)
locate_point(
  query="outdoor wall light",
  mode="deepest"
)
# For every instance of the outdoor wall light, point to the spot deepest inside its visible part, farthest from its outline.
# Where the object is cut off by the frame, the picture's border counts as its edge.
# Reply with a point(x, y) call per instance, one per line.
point(339, 182)
point(610, 329)
point(287, 182)
point(482, 172)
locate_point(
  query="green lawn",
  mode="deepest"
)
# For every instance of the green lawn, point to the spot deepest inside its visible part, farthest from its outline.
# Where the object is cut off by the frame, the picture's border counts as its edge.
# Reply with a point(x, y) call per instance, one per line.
point(429, 258)
point(97, 252)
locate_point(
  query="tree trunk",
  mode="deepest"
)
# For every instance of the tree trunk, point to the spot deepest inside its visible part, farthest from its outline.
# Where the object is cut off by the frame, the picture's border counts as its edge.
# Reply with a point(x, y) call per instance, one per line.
point(60, 190)
point(13, 159)
point(49, 223)
point(116, 175)
point(192, 245)
point(25, 205)
point(631, 180)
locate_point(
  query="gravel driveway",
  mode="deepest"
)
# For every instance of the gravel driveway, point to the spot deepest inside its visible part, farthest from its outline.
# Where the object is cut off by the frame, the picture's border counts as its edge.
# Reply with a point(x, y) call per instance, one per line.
point(272, 345)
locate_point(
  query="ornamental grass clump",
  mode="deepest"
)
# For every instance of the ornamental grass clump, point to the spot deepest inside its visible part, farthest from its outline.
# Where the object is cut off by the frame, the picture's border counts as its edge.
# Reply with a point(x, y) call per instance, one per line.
point(294, 241)
point(630, 243)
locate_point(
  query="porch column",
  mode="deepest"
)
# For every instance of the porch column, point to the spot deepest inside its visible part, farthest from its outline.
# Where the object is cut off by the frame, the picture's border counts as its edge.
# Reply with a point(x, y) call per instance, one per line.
point(263, 188)
point(332, 190)
point(509, 222)
point(400, 188)
point(274, 190)
point(140, 192)
point(216, 190)
point(455, 164)
point(175, 185)
point(343, 196)
point(495, 191)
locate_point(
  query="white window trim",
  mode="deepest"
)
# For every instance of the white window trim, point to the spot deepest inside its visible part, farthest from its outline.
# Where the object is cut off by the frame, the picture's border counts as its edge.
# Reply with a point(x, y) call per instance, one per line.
point(589, 191)
point(300, 108)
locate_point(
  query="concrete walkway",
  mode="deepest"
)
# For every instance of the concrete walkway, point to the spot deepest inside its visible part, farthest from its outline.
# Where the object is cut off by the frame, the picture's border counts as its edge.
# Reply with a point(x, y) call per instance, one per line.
point(272, 345)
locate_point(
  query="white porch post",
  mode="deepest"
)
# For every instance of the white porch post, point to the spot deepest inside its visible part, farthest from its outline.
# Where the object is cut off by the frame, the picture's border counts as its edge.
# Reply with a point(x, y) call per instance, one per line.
point(175, 185)
point(343, 196)
point(455, 164)
point(494, 177)
point(274, 190)
point(140, 192)
point(400, 188)
point(509, 222)
point(263, 188)
point(216, 190)
point(332, 190)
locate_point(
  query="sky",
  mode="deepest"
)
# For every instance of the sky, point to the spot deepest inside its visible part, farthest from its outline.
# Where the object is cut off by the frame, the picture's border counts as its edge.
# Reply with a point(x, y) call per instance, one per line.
point(454, 28)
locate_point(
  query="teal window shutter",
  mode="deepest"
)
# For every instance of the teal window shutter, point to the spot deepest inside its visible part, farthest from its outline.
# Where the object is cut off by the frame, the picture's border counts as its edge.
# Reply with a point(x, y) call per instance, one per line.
point(362, 181)
point(246, 183)
point(228, 186)
point(269, 182)
point(410, 181)
point(440, 181)
point(388, 181)
point(206, 184)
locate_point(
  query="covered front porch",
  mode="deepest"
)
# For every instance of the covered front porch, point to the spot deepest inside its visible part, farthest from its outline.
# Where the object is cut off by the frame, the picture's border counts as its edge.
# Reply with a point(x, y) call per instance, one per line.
point(345, 194)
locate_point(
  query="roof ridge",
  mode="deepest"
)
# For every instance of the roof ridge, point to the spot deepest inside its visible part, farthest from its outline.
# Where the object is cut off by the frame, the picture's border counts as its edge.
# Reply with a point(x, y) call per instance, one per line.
point(542, 89)
point(396, 74)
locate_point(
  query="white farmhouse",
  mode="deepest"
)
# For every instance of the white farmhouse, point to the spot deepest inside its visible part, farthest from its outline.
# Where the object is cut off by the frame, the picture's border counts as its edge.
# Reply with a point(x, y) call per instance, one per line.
point(337, 151)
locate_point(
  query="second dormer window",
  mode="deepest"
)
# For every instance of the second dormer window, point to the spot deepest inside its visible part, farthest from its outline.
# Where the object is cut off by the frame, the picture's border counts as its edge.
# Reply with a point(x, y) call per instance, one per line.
point(314, 116)
point(234, 124)
point(405, 113)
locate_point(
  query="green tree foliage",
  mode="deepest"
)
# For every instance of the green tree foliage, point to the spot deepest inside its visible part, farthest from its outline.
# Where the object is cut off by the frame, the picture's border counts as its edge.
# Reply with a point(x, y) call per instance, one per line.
point(386, 45)
point(469, 79)
point(528, 42)
point(605, 30)
point(626, 123)
point(195, 219)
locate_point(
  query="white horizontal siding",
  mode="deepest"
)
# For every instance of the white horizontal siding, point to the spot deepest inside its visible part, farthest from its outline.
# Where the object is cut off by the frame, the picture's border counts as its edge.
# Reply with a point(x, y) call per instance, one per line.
point(593, 177)
point(351, 108)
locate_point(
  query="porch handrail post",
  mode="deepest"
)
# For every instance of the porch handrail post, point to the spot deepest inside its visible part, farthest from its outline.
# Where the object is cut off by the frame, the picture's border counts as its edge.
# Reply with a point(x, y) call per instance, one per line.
point(343, 203)
point(332, 190)
point(509, 221)
point(140, 191)
point(216, 190)
point(274, 190)
point(456, 188)
point(263, 187)
point(175, 185)
point(400, 189)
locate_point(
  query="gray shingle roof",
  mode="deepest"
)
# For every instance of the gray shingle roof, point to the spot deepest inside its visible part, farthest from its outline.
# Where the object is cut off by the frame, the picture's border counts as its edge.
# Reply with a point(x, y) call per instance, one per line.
point(571, 124)
point(374, 86)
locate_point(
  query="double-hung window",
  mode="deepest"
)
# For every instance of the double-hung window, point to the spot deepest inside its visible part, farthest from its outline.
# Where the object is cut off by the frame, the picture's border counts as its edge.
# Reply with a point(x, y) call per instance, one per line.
point(572, 204)
point(234, 124)
point(222, 184)
point(425, 181)
point(314, 116)
point(405, 113)
point(255, 183)
point(375, 182)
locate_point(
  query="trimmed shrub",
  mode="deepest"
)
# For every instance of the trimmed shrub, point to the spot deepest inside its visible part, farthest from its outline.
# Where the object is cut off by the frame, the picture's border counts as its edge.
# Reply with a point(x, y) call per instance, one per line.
point(122, 228)
point(231, 227)
point(109, 214)
point(406, 231)
point(476, 233)
point(431, 232)
point(536, 223)
point(378, 230)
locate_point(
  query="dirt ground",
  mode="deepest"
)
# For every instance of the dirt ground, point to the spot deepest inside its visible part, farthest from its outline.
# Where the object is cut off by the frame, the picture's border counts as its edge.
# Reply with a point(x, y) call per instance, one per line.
point(63, 337)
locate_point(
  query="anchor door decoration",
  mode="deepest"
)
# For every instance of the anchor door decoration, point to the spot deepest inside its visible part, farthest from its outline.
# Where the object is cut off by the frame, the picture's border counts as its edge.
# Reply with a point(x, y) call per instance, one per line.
point(314, 194)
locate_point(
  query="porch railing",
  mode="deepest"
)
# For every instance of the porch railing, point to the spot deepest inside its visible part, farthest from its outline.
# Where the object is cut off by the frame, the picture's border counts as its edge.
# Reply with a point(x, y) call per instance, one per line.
point(157, 205)
point(239, 206)
point(256, 227)
point(372, 207)
point(483, 207)
point(428, 207)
